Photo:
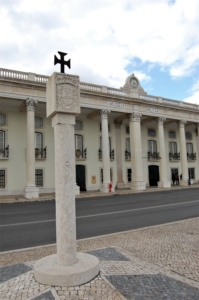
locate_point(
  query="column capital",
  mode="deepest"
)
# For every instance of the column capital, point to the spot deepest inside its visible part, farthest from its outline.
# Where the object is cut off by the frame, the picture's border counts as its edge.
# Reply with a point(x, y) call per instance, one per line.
point(161, 120)
point(118, 123)
point(182, 123)
point(134, 117)
point(31, 104)
point(104, 113)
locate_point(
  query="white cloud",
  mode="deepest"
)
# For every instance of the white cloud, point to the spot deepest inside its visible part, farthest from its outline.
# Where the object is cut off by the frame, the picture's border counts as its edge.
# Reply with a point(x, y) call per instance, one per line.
point(101, 37)
point(194, 98)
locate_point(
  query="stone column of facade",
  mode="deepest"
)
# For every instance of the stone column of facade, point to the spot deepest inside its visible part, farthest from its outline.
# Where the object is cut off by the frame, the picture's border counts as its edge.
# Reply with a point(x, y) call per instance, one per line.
point(105, 152)
point(66, 268)
point(164, 182)
point(137, 180)
point(30, 191)
point(120, 181)
point(197, 141)
point(183, 154)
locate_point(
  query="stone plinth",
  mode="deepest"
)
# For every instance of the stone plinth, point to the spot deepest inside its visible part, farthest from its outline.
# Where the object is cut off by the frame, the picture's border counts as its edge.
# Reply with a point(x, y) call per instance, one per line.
point(48, 271)
point(66, 268)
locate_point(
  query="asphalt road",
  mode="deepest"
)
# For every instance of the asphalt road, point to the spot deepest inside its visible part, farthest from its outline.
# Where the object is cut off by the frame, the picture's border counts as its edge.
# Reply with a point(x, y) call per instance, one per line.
point(24, 225)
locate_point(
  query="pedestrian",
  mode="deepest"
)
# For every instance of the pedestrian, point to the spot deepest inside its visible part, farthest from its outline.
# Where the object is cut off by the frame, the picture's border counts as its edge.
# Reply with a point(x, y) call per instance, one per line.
point(173, 178)
point(177, 179)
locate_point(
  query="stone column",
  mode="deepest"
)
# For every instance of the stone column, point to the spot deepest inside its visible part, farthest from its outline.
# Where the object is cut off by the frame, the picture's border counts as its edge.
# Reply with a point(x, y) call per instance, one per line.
point(120, 181)
point(197, 141)
point(105, 152)
point(137, 180)
point(66, 268)
point(183, 154)
point(30, 191)
point(164, 182)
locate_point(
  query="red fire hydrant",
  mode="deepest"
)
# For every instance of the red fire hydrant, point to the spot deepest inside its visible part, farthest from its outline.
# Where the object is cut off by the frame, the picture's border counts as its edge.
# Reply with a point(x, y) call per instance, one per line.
point(110, 187)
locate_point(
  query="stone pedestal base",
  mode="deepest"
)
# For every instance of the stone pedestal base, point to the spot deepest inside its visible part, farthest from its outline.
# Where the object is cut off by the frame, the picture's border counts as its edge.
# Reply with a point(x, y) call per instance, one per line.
point(104, 188)
point(31, 192)
point(77, 190)
point(164, 184)
point(47, 270)
point(138, 185)
point(184, 182)
point(121, 185)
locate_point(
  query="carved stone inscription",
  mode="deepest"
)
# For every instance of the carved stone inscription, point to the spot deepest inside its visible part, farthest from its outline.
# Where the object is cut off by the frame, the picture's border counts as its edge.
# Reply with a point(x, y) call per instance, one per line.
point(116, 104)
point(154, 110)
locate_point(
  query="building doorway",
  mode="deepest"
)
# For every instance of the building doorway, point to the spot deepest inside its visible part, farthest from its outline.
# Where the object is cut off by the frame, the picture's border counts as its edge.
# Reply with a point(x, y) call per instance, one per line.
point(80, 177)
point(153, 175)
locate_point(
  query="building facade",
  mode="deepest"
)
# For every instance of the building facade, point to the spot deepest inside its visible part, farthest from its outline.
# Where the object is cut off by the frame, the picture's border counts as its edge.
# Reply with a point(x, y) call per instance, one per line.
point(122, 136)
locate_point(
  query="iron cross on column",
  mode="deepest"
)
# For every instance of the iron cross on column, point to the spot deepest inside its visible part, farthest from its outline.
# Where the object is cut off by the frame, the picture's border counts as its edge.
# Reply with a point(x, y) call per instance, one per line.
point(61, 61)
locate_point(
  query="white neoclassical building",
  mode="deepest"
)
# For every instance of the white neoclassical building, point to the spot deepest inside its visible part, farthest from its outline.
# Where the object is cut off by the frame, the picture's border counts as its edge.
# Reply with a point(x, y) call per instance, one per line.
point(122, 136)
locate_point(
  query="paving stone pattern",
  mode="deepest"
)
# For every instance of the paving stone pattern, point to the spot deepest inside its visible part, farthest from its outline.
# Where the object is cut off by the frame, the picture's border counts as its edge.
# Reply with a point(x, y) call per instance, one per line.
point(109, 254)
point(160, 262)
point(45, 296)
point(153, 287)
point(10, 272)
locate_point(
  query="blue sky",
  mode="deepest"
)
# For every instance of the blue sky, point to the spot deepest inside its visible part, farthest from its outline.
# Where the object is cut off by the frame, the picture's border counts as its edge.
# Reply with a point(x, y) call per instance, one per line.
point(107, 40)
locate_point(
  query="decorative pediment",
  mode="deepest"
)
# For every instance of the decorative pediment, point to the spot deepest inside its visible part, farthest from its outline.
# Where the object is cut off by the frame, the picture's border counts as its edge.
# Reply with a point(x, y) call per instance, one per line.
point(132, 84)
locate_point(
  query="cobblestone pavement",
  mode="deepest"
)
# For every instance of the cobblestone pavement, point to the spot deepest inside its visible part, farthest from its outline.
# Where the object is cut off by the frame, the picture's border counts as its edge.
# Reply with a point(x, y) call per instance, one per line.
point(159, 262)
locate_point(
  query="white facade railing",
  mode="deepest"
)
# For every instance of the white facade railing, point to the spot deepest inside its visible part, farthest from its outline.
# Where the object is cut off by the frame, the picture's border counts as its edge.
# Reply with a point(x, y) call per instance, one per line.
point(149, 98)
point(13, 74)
point(117, 92)
point(92, 87)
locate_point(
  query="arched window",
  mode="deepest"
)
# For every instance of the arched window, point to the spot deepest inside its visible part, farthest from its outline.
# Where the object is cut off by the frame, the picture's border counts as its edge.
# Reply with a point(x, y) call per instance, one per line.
point(38, 140)
point(128, 147)
point(38, 144)
point(2, 119)
point(173, 147)
point(2, 142)
point(79, 145)
point(152, 146)
point(189, 148)
point(38, 122)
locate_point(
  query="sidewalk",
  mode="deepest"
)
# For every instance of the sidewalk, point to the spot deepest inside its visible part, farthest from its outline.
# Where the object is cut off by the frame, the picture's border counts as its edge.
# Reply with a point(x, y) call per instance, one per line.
point(89, 194)
point(158, 262)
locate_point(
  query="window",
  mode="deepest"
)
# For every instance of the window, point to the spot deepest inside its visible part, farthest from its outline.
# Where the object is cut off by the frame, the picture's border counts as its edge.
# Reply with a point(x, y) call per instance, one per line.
point(79, 145)
point(191, 173)
point(188, 135)
point(38, 122)
point(172, 134)
point(189, 148)
point(109, 127)
point(129, 173)
point(2, 178)
point(78, 125)
point(127, 130)
point(151, 132)
point(2, 142)
point(39, 177)
point(152, 146)
point(128, 145)
point(2, 119)
point(38, 140)
point(173, 147)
